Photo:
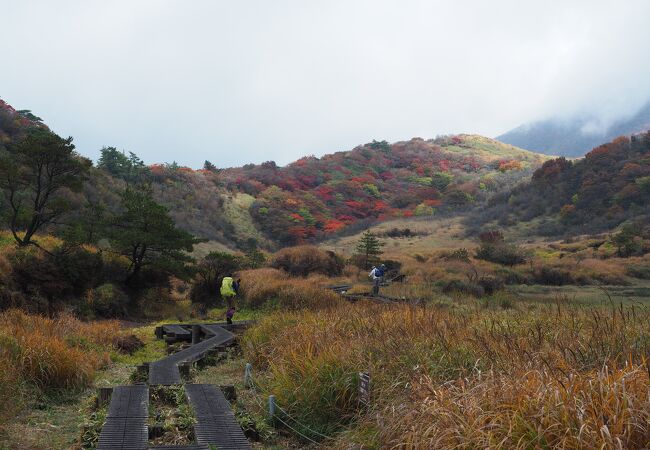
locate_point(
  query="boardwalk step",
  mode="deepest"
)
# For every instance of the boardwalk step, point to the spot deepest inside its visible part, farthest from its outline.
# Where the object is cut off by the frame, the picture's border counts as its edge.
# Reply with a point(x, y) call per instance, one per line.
point(126, 420)
point(165, 371)
point(180, 447)
point(177, 332)
point(215, 422)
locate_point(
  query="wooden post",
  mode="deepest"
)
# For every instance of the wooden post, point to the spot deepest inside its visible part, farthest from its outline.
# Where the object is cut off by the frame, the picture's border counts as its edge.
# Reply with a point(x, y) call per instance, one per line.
point(104, 396)
point(272, 409)
point(248, 375)
point(196, 334)
point(143, 370)
point(184, 369)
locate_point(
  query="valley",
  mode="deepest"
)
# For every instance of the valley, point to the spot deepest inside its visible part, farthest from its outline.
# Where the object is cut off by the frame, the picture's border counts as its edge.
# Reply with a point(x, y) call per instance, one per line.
point(516, 294)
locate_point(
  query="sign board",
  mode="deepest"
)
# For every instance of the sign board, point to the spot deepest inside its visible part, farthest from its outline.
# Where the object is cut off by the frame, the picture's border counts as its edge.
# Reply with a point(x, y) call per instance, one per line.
point(364, 389)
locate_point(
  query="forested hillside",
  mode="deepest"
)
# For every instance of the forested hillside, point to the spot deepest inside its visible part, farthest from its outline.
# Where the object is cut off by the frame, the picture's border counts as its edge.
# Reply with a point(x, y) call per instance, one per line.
point(315, 197)
point(607, 187)
point(311, 198)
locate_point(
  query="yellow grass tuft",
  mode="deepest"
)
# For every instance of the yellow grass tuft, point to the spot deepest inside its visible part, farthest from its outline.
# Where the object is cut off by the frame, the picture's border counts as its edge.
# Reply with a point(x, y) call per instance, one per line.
point(50, 353)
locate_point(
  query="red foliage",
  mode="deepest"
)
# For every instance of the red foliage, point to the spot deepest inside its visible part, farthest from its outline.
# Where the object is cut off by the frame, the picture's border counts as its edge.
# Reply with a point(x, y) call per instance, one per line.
point(512, 164)
point(333, 225)
point(354, 204)
point(157, 169)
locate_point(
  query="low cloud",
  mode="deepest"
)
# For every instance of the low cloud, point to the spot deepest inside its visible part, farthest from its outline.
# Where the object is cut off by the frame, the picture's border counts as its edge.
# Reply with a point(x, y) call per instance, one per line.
point(235, 82)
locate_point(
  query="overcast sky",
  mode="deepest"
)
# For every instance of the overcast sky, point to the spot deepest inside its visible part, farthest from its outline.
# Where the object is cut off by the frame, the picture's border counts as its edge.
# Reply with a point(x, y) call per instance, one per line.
point(251, 81)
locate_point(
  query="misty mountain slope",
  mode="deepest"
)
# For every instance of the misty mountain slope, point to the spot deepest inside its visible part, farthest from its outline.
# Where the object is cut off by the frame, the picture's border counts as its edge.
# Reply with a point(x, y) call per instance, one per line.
point(573, 137)
point(610, 185)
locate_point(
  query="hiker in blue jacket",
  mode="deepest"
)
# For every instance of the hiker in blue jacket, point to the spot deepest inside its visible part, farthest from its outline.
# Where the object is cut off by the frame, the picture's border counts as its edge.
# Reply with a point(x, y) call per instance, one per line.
point(377, 275)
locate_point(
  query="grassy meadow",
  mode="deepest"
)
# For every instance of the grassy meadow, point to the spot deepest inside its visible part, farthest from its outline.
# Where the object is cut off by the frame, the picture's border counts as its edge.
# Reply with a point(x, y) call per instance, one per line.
point(550, 352)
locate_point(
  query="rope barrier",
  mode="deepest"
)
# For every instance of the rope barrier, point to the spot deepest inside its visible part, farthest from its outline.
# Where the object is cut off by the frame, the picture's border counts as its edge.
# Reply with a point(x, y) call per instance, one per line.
point(302, 425)
point(256, 389)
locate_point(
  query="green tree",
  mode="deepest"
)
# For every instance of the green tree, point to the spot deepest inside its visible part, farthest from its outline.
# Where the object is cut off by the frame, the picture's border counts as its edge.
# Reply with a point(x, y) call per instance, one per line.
point(207, 165)
point(114, 162)
point(128, 168)
point(368, 250)
point(440, 180)
point(36, 173)
point(253, 257)
point(146, 235)
point(628, 241)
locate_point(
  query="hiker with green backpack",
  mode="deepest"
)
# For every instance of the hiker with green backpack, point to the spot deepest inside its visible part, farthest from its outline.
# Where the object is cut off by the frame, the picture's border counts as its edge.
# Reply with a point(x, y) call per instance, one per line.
point(229, 289)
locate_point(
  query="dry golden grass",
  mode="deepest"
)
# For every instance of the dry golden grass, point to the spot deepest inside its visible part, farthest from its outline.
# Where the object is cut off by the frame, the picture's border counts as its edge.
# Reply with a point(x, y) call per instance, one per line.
point(608, 408)
point(263, 286)
point(540, 376)
point(50, 353)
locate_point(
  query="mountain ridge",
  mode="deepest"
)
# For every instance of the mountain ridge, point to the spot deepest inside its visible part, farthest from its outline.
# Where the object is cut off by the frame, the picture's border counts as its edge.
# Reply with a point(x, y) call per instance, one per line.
point(576, 136)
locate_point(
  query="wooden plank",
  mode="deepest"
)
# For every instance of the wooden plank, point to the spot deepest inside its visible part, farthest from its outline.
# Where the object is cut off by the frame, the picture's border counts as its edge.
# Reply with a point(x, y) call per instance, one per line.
point(215, 422)
point(165, 371)
point(126, 420)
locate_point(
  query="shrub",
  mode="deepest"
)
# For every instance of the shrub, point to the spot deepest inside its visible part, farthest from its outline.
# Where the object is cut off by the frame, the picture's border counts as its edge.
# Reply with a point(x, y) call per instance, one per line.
point(460, 254)
point(392, 267)
point(642, 272)
point(462, 287)
point(108, 300)
point(400, 233)
point(128, 343)
point(490, 285)
point(306, 259)
point(553, 276)
point(508, 255)
point(56, 276)
point(510, 276)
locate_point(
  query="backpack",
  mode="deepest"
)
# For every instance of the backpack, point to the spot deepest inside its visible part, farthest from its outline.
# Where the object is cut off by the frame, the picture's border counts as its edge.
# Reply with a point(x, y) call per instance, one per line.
point(379, 272)
point(227, 288)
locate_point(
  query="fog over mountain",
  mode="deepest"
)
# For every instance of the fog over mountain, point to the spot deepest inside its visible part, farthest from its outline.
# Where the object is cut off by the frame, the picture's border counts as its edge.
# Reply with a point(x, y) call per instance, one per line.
point(238, 82)
point(574, 136)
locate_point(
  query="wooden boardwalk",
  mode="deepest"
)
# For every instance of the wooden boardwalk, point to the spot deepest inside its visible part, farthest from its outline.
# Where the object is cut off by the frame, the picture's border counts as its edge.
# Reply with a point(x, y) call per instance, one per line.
point(165, 371)
point(177, 332)
point(126, 425)
point(126, 421)
point(216, 424)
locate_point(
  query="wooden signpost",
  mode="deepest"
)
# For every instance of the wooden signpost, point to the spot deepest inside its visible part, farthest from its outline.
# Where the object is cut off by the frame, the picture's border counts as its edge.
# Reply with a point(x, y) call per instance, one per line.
point(364, 389)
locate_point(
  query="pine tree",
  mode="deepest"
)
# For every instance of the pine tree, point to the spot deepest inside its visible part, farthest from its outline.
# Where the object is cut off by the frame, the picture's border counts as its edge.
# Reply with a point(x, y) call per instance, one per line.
point(146, 235)
point(368, 249)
